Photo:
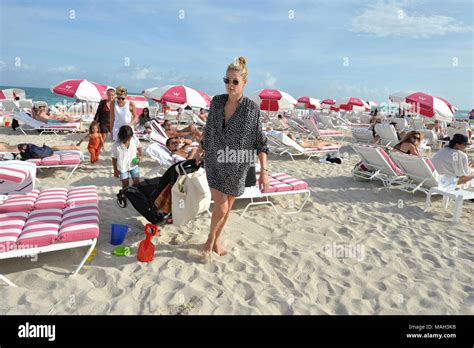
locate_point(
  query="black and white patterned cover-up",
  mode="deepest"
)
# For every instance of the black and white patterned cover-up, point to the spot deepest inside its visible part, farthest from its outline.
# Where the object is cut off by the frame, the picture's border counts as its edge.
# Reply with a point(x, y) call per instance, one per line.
point(230, 149)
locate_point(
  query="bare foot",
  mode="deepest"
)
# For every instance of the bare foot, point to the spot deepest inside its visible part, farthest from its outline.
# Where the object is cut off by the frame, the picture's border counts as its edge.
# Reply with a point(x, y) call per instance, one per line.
point(218, 249)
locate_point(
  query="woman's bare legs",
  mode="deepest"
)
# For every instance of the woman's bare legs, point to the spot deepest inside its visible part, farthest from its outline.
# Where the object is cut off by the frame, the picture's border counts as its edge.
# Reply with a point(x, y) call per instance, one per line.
point(65, 147)
point(222, 205)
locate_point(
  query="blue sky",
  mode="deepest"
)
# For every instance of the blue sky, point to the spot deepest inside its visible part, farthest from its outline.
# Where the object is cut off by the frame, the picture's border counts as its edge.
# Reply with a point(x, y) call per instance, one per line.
point(324, 49)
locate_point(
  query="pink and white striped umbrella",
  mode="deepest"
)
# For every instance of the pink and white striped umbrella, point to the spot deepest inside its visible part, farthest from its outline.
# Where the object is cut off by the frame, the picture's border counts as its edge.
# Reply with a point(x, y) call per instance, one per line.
point(372, 104)
point(426, 105)
point(309, 103)
point(329, 104)
point(274, 100)
point(82, 90)
point(140, 102)
point(178, 94)
point(352, 104)
point(12, 93)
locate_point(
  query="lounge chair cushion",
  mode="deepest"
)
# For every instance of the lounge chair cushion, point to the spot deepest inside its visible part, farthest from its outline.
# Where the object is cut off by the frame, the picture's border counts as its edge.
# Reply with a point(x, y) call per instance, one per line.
point(430, 164)
point(11, 225)
point(296, 184)
point(53, 160)
point(70, 158)
point(41, 228)
point(82, 195)
point(390, 161)
point(19, 203)
point(52, 198)
point(79, 222)
point(13, 175)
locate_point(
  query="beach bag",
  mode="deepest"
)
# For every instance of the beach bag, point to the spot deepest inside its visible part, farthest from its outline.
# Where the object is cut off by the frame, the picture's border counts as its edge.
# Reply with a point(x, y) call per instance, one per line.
point(190, 195)
point(33, 151)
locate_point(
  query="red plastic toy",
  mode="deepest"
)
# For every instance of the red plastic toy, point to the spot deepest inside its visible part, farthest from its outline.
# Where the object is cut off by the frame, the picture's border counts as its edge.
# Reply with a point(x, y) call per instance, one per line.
point(146, 249)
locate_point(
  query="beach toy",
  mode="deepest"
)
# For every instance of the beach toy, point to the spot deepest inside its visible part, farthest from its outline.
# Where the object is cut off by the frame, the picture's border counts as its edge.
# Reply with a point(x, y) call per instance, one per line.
point(122, 251)
point(118, 234)
point(93, 253)
point(7, 121)
point(136, 160)
point(146, 249)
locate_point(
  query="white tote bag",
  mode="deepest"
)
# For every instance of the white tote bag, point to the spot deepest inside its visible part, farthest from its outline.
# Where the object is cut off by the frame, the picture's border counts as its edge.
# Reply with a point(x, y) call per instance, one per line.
point(190, 196)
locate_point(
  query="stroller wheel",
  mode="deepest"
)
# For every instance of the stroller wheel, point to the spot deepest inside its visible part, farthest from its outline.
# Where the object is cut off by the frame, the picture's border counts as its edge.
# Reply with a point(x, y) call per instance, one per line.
point(121, 200)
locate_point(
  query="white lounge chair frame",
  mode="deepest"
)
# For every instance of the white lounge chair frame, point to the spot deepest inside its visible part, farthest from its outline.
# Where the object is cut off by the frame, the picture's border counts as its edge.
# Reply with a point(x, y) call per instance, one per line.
point(42, 126)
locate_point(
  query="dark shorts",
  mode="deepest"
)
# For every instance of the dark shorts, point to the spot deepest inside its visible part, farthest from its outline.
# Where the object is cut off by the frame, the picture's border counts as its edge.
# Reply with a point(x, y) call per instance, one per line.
point(104, 128)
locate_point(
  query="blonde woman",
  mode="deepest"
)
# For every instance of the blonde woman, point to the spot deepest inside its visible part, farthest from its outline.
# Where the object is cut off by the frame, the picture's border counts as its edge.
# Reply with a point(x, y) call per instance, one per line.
point(124, 112)
point(410, 143)
point(233, 126)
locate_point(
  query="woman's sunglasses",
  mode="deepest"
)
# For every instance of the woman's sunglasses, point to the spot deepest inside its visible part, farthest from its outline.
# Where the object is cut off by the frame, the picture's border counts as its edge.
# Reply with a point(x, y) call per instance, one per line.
point(121, 98)
point(227, 81)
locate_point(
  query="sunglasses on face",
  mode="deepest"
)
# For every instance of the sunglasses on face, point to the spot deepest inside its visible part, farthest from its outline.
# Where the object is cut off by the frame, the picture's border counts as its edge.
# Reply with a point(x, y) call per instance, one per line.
point(227, 81)
point(121, 98)
point(417, 138)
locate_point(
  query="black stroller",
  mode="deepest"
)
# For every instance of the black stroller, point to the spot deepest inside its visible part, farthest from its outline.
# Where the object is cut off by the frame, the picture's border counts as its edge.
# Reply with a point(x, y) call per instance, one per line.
point(143, 195)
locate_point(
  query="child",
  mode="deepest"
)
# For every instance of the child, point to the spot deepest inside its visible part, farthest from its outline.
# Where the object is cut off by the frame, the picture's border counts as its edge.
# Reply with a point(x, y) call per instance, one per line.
point(125, 152)
point(95, 141)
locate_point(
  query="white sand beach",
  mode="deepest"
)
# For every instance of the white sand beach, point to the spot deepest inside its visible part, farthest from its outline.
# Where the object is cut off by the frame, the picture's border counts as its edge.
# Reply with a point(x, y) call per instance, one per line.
point(402, 260)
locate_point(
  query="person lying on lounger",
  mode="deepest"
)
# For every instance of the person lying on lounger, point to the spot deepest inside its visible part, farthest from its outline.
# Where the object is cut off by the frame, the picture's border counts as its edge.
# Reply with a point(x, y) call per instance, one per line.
point(41, 114)
point(190, 130)
point(5, 147)
point(180, 153)
point(313, 143)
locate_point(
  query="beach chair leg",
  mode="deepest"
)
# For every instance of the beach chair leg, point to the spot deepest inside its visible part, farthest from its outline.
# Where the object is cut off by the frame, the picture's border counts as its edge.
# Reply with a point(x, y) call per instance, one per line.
point(22, 130)
point(6, 280)
point(252, 203)
point(305, 199)
point(85, 258)
point(72, 172)
point(457, 209)
point(428, 201)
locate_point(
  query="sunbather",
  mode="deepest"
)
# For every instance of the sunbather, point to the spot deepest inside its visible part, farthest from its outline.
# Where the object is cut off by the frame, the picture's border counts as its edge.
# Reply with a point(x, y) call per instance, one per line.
point(313, 143)
point(452, 160)
point(190, 130)
point(144, 121)
point(180, 152)
point(410, 143)
point(4, 147)
point(40, 113)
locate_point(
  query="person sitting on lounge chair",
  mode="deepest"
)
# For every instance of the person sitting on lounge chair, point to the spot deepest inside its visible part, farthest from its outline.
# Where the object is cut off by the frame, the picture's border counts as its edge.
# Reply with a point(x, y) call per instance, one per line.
point(180, 153)
point(452, 160)
point(410, 143)
point(313, 143)
point(202, 115)
point(190, 130)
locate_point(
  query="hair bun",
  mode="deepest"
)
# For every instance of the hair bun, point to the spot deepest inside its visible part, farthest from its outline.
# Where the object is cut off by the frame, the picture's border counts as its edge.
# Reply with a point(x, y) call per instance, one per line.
point(242, 61)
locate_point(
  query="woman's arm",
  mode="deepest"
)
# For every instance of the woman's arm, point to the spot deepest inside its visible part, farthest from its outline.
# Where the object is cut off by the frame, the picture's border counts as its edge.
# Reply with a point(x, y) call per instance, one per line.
point(98, 112)
point(84, 138)
point(112, 116)
point(133, 110)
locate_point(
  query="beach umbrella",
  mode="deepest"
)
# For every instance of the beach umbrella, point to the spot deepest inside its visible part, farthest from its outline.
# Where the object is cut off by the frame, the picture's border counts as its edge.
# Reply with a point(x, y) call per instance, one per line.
point(372, 104)
point(329, 104)
point(274, 100)
point(309, 103)
point(12, 93)
point(352, 104)
point(82, 90)
point(425, 104)
point(451, 107)
point(140, 102)
point(179, 95)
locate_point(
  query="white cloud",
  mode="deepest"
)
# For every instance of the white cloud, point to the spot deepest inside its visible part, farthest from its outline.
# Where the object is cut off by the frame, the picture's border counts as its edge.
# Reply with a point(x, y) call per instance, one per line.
point(270, 80)
point(64, 69)
point(385, 19)
point(2, 64)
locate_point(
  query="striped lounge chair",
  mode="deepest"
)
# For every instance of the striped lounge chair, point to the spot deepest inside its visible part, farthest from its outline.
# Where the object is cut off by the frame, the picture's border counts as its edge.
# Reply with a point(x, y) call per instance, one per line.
point(48, 220)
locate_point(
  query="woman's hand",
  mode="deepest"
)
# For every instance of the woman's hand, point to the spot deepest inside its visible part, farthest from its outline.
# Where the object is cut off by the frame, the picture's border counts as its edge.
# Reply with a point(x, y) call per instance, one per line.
point(116, 173)
point(197, 158)
point(263, 181)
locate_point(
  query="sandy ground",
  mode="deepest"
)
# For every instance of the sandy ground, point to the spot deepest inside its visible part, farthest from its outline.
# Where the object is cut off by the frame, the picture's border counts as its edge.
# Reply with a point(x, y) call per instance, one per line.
point(398, 260)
